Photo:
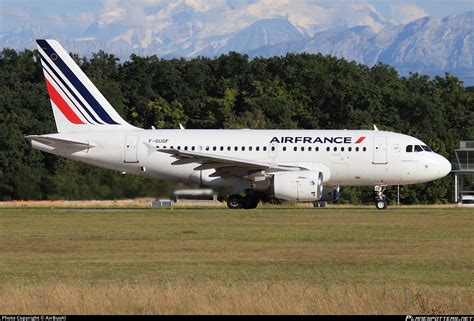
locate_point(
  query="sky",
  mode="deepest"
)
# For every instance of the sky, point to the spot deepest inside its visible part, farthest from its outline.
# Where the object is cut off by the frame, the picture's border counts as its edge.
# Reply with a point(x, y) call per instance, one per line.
point(74, 16)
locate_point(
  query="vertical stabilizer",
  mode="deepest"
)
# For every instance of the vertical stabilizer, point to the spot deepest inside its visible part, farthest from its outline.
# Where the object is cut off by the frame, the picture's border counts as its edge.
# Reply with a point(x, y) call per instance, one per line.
point(77, 104)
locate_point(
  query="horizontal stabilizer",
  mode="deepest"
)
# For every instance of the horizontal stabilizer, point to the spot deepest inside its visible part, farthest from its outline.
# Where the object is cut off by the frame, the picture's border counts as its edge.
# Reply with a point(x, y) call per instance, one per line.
point(55, 142)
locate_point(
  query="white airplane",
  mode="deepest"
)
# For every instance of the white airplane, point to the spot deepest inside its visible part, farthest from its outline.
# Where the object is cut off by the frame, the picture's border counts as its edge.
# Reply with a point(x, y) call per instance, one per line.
point(297, 165)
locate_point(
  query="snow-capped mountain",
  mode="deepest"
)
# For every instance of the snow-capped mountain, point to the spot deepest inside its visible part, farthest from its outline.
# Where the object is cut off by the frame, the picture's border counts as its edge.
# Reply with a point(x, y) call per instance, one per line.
point(191, 28)
point(188, 28)
point(428, 45)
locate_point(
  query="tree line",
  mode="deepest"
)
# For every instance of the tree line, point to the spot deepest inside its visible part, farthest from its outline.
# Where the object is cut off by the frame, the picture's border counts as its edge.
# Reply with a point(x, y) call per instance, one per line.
point(303, 91)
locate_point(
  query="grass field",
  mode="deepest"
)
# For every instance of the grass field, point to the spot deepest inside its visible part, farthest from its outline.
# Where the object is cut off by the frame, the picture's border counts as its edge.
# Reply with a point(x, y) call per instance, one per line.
point(219, 261)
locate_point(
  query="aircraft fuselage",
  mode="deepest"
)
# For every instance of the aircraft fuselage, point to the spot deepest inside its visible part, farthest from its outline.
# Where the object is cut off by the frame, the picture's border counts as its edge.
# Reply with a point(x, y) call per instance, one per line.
point(348, 157)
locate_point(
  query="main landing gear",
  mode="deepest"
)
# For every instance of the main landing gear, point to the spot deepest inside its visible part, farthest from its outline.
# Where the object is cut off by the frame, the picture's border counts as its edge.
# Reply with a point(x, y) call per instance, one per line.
point(380, 199)
point(248, 201)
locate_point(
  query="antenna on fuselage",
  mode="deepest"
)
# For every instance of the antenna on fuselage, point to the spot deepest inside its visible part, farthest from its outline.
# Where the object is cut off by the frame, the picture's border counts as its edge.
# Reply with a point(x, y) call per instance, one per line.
point(375, 128)
point(181, 127)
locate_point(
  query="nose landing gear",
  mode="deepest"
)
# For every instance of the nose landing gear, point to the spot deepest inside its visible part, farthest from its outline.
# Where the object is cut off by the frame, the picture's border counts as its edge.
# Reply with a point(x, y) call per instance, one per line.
point(380, 199)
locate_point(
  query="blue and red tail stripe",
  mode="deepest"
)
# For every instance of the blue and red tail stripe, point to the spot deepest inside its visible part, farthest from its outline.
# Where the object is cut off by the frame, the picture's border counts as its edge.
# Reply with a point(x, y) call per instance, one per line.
point(66, 89)
point(78, 85)
point(64, 92)
point(62, 105)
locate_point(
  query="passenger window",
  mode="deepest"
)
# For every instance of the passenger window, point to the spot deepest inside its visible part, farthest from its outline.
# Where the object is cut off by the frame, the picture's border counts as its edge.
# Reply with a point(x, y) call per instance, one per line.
point(192, 148)
point(357, 149)
point(335, 149)
point(228, 148)
point(302, 149)
point(264, 148)
point(222, 148)
point(342, 149)
point(418, 148)
point(284, 148)
point(185, 147)
point(207, 147)
point(350, 149)
point(236, 148)
point(309, 149)
point(179, 147)
point(273, 148)
point(257, 148)
point(317, 149)
point(250, 148)
point(409, 148)
point(328, 149)
point(295, 148)
point(243, 148)
point(364, 149)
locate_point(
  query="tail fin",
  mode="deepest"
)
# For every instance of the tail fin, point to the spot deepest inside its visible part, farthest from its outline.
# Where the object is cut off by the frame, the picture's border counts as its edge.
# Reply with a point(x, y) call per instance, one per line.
point(77, 104)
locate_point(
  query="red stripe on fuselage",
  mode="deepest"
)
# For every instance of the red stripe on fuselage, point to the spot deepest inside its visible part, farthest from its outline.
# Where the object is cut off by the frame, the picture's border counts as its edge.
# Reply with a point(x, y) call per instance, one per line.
point(360, 140)
point(62, 105)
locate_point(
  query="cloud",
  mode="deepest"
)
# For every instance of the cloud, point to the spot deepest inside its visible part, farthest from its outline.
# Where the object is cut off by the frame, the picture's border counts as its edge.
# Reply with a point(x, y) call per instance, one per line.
point(112, 16)
point(405, 12)
point(357, 13)
point(204, 18)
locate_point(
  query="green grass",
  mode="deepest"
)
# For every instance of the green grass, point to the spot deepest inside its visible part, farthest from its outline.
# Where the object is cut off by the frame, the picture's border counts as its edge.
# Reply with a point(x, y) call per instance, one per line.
point(414, 248)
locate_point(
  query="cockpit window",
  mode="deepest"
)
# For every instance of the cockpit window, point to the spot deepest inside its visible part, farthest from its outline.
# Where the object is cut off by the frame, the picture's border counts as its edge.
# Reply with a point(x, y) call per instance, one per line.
point(418, 148)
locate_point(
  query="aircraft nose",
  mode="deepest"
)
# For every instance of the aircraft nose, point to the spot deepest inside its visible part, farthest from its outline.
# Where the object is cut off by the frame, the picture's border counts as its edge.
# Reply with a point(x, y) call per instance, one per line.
point(444, 166)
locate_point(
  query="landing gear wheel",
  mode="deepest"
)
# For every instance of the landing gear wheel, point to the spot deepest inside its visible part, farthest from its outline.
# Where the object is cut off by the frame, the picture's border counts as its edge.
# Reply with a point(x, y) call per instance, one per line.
point(250, 202)
point(234, 201)
point(319, 204)
point(381, 204)
point(380, 201)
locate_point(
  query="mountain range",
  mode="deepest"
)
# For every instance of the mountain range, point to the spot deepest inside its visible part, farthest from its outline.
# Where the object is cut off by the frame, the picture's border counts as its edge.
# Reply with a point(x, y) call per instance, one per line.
point(428, 45)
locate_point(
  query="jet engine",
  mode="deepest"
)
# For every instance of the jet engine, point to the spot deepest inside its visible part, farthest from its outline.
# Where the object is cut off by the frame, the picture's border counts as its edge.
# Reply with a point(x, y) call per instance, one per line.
point(330, 194)
point(302, 186)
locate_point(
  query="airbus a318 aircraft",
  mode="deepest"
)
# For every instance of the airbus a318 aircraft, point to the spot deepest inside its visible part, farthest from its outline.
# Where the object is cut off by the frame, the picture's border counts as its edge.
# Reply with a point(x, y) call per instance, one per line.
point(296, 165)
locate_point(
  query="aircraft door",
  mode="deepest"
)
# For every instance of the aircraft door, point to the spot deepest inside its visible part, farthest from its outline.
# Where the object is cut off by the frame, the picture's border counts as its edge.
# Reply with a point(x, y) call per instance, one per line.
point(380, 150)
point(130, 148)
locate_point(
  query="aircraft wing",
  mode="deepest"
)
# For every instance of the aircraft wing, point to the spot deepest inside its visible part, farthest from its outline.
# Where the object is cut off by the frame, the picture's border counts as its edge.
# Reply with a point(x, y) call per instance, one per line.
point(225, 166)
point(57, 142)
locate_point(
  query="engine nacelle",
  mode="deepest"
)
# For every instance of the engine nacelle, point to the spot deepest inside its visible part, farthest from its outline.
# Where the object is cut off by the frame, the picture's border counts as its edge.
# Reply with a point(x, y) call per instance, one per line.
point(330, 194)
point(302, 186)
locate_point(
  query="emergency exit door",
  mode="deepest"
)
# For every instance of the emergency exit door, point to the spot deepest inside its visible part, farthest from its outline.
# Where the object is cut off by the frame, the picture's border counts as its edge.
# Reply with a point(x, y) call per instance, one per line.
point(131, 146)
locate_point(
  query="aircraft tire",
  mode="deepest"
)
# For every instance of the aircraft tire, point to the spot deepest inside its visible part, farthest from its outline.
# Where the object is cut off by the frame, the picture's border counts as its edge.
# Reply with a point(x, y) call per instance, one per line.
point(250, 202)
point(234, 202)
point(381, 204)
